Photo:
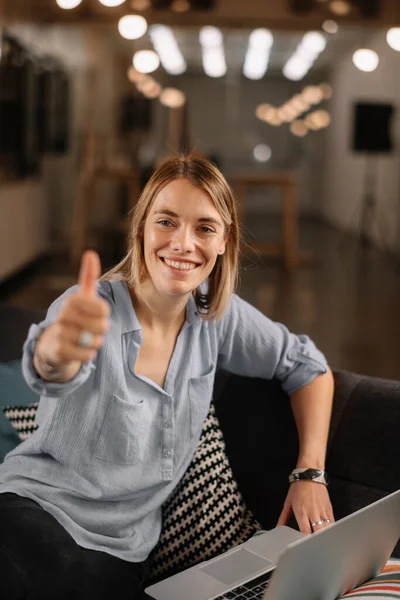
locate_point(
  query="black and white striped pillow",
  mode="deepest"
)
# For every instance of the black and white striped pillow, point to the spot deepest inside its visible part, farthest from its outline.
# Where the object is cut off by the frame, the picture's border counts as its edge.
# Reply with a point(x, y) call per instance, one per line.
point(22, 418)
point(206, 514)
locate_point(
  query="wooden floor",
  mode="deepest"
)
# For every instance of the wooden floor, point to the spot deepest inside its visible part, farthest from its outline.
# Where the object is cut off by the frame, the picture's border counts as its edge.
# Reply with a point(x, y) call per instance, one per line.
point(347, 299)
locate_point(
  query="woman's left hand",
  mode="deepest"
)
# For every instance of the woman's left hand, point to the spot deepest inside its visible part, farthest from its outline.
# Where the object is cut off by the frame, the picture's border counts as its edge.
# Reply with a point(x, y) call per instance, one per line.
point(310, 503)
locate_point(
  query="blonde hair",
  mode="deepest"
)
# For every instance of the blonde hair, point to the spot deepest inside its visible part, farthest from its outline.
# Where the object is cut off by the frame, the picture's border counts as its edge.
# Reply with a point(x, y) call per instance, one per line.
point(204, 175)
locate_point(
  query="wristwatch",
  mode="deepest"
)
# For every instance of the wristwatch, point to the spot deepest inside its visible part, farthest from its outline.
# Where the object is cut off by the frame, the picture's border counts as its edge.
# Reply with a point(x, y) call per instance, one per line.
point(315, 475)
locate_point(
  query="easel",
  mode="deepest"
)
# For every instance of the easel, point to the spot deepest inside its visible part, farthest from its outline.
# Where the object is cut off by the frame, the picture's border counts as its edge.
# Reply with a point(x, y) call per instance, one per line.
point(94, 170)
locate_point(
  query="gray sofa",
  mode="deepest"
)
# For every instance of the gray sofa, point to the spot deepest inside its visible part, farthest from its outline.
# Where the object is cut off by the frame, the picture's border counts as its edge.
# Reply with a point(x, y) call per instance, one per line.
point(363, 458)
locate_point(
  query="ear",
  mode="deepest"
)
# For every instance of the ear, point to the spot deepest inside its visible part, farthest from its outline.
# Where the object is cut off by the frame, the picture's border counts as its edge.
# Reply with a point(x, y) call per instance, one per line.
point(223, 245)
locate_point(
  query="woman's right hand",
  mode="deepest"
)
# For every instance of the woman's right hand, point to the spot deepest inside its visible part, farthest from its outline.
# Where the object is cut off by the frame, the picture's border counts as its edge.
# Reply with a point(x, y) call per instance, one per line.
point(61, 345)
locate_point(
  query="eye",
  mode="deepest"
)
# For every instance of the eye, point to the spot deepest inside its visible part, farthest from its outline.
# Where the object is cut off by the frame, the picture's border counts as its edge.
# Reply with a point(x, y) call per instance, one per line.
point(207, 229)
point(165, 222)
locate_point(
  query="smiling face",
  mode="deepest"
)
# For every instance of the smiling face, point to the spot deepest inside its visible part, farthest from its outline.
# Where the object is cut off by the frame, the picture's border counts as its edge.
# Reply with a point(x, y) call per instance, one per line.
point(183, 236)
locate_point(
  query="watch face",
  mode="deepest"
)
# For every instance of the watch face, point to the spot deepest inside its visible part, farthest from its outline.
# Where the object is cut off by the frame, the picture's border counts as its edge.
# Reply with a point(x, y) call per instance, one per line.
point(313, 473)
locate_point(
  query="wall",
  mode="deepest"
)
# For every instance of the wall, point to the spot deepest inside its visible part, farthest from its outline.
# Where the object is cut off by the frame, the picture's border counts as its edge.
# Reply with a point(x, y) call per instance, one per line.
point(345, 170)
point(222, 122)
point(83, 52)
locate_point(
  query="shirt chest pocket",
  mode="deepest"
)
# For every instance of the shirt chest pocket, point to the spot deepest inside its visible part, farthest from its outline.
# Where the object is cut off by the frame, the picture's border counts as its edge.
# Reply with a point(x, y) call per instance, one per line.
point(124, 432)
point(200, 395)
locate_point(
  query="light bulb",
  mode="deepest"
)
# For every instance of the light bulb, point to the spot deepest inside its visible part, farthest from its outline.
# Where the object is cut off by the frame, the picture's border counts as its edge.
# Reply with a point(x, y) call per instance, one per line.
point(262, 153)
point(340, 7)
point(261, 38)
point(146, 61)
point(330, 26)
point(132, 27)
point(140, 4)
point(366, 60)
point(180, 6)
point(172, 98)
point(393, 38)
point(298, 128)
point(111, 3)
point(68, 4)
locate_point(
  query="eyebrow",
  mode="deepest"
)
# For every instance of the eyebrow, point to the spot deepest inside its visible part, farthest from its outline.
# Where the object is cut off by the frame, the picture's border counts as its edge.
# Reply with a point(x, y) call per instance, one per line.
point(202, 220)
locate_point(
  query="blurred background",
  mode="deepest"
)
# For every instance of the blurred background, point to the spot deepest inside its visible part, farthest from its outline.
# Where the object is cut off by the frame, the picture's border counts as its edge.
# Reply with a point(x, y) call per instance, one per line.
point(296, 101)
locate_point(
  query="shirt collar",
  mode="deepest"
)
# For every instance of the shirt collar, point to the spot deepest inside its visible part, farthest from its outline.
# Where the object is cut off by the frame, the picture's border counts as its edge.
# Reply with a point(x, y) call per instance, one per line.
point(126, 312)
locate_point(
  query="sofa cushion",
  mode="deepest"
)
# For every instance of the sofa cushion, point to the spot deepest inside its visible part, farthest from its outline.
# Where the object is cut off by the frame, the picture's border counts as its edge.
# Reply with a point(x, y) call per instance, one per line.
point(385, 585)
point(206, 514)
point(13, 391)
point(22, 419)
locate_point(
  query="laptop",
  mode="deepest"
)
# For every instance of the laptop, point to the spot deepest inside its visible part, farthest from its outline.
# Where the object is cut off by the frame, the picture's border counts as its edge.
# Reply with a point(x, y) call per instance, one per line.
point(283, 564)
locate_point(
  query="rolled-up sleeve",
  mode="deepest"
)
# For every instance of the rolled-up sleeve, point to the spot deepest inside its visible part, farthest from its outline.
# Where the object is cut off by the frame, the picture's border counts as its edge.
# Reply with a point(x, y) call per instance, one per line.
point(39, 385)
point(252, 345)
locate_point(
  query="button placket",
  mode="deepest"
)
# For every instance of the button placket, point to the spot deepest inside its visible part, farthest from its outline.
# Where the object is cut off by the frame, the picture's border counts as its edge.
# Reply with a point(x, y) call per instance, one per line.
point(167, 439)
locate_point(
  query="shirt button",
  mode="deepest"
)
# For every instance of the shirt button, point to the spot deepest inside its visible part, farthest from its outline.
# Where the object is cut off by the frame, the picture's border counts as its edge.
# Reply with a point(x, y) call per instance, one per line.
point(168, 424)
point(167, 399)
point(167, 453)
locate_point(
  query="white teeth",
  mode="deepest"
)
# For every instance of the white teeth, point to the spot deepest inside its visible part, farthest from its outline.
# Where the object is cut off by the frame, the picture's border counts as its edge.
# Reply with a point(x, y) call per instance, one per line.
point(180, 265)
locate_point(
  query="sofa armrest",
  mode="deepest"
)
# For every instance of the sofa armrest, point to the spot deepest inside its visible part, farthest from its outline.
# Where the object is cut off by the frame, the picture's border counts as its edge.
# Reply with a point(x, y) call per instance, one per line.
point(14, 325)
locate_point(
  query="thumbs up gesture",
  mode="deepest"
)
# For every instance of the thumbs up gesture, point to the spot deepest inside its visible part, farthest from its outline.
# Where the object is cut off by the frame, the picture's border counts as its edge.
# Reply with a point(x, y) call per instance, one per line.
point(78, 332)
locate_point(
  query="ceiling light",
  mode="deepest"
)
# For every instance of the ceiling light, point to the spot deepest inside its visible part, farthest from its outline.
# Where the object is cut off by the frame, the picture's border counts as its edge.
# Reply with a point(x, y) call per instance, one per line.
point(299, 103)
point(299, 128)
point(393, 38)
point(312, 94)
point(214, 62)
point(213, 54)
point(154, 91)
point(273, 118)
point(149, 87)
point(263, 110)
point(314, 41)
point(68, 4)
point(132, 27)
point(180, 6)
point(172, 98)
point(288, 112)
point(262, 153)
point(166, 46)
point(330, 26)
point(322, 118)
point(306, 53)
point(366, 60)
point(134, 76)
point(111, 3)
point(146, 61)
point(261, 38)
point(340, 7)
point(210, 37)
point(140, 4)
point(258, 53)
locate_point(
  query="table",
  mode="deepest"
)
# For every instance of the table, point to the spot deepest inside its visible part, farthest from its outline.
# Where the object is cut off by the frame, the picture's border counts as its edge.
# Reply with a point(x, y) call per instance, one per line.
point(288, 248)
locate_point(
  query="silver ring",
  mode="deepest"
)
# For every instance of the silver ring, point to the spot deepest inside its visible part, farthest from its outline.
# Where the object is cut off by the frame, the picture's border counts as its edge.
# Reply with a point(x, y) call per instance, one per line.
point(85, 339)
point(320, 522)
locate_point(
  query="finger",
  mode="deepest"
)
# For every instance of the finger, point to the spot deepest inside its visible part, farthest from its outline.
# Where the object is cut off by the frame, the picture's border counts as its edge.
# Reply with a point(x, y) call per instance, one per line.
point(70, 352)
point(303, 523)
point(96, 326)
point(72, 336)
point(86, 306)
point(89, 273)
point(285, 514)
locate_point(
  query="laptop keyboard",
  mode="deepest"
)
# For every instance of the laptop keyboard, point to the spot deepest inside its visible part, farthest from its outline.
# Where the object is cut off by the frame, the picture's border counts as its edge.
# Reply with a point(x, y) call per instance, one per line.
point(253, 589)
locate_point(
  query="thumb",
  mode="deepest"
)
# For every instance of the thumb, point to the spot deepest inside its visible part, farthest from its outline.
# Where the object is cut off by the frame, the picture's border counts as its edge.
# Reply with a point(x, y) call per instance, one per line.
point(285, 514)
point(89, 273)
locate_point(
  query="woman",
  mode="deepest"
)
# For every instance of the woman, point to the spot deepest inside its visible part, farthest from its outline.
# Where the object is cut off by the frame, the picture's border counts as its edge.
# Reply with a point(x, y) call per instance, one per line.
point(125, 369)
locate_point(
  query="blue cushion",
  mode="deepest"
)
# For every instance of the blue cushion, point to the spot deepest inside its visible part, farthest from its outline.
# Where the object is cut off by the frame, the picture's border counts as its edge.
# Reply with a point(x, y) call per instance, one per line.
point(13, 391)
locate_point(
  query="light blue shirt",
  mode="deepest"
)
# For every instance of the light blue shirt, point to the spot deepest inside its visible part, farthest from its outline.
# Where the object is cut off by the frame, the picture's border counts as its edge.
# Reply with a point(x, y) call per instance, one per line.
point(112, 445)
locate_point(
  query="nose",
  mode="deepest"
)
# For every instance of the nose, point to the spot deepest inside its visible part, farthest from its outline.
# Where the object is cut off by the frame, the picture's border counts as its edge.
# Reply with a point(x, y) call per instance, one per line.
point(182, 240)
